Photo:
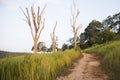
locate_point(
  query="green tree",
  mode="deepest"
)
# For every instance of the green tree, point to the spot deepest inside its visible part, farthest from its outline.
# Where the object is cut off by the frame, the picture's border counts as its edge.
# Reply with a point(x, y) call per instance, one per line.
point(90, 36)
point(41, 47)
point(92, 30)
point(106, 35)
point(65, 46)
point(116, 17)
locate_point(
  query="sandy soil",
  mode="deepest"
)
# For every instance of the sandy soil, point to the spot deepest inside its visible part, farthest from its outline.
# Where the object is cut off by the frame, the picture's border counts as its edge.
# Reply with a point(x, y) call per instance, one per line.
point(87, 68)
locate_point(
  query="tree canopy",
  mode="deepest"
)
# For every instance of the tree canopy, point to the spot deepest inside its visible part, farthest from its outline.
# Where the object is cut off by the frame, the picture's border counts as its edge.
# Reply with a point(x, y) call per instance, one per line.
point(100, 32)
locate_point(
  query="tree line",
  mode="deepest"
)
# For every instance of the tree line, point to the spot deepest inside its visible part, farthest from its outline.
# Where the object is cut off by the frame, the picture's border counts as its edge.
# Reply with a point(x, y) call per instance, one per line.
point(101, 32)
point(98, 33)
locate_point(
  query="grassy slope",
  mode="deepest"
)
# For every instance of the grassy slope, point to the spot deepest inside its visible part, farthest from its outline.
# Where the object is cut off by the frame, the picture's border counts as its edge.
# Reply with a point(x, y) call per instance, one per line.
point(38, 66)
point(110, 53)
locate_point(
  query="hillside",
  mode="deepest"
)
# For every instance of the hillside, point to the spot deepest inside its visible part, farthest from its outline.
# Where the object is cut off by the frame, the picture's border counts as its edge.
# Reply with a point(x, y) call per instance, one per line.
point(4, 54)
point(110, 57)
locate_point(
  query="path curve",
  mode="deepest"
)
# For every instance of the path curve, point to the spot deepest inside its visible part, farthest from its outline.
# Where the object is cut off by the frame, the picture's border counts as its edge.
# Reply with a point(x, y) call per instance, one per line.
point(87, 68)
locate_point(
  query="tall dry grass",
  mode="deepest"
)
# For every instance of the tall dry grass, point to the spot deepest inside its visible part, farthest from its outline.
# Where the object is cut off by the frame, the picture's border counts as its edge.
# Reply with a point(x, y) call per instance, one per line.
point(37, 66)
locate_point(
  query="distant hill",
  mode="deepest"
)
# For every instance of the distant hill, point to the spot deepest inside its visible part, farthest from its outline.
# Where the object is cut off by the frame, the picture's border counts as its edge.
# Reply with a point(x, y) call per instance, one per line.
point(4, 54)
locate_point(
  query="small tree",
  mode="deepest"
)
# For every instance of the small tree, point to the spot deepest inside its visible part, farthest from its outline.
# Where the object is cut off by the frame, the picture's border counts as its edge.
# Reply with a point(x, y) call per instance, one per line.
point(35, 22)
point(65, 46)
point(53, 38)
point(74, 14)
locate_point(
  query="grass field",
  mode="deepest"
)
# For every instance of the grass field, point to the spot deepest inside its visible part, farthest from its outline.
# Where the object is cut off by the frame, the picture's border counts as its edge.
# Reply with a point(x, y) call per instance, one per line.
point(110, 54)
point(37, 66)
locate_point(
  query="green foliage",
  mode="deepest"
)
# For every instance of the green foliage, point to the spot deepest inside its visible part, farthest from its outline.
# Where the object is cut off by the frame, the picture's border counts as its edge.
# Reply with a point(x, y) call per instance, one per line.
point(110, 53)
point(101, 32)
point(37, 66)
point(106, 35)
point(65, 46)
point(91, 30)
point(90, 36)
point(117, 37)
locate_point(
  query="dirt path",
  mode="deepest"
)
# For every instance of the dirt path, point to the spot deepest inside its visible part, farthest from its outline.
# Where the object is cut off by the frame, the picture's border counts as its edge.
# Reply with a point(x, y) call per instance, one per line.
point(87, 68)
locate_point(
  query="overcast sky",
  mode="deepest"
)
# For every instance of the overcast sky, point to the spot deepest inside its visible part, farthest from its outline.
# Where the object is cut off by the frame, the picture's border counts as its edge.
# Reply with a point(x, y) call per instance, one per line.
point(15, 33)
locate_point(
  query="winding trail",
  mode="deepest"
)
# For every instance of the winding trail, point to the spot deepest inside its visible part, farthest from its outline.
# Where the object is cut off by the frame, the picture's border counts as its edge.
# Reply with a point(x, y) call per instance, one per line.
point(87, 68)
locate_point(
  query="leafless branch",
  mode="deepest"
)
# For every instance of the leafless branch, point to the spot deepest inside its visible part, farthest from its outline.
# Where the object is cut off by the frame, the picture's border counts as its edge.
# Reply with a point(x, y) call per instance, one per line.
point(34, 19)
point(54, 27)
point(43, 25)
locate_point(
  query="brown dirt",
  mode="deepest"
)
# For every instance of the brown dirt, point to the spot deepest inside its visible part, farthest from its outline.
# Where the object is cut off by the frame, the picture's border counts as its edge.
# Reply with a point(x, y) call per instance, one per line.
point(87, 68)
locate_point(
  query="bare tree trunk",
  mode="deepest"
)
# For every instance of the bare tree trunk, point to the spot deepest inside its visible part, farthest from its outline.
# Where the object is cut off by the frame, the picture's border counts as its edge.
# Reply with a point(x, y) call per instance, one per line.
point(35, 46)
point(53, 39)
point(53, 45)
point(75, 43)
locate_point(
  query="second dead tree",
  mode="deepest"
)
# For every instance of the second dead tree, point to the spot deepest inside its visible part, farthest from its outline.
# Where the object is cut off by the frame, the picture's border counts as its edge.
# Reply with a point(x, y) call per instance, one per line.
point(53, 39)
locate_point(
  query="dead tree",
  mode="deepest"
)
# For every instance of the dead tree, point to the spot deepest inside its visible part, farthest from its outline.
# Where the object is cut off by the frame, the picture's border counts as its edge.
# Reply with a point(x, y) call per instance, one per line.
point(74, 16)
point(35, 22)
point(53, 39)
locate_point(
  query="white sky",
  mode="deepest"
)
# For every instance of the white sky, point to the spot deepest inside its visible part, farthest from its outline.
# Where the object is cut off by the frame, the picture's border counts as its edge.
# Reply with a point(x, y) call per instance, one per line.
point(15, 33)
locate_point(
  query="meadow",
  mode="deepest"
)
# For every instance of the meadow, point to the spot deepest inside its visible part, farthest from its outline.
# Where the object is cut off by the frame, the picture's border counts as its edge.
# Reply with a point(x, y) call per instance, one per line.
point(37, 66)
point(110, 57)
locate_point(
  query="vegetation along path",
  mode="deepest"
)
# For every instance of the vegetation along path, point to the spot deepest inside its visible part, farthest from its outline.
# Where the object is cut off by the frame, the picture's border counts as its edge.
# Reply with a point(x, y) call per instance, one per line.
point(87, 68)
